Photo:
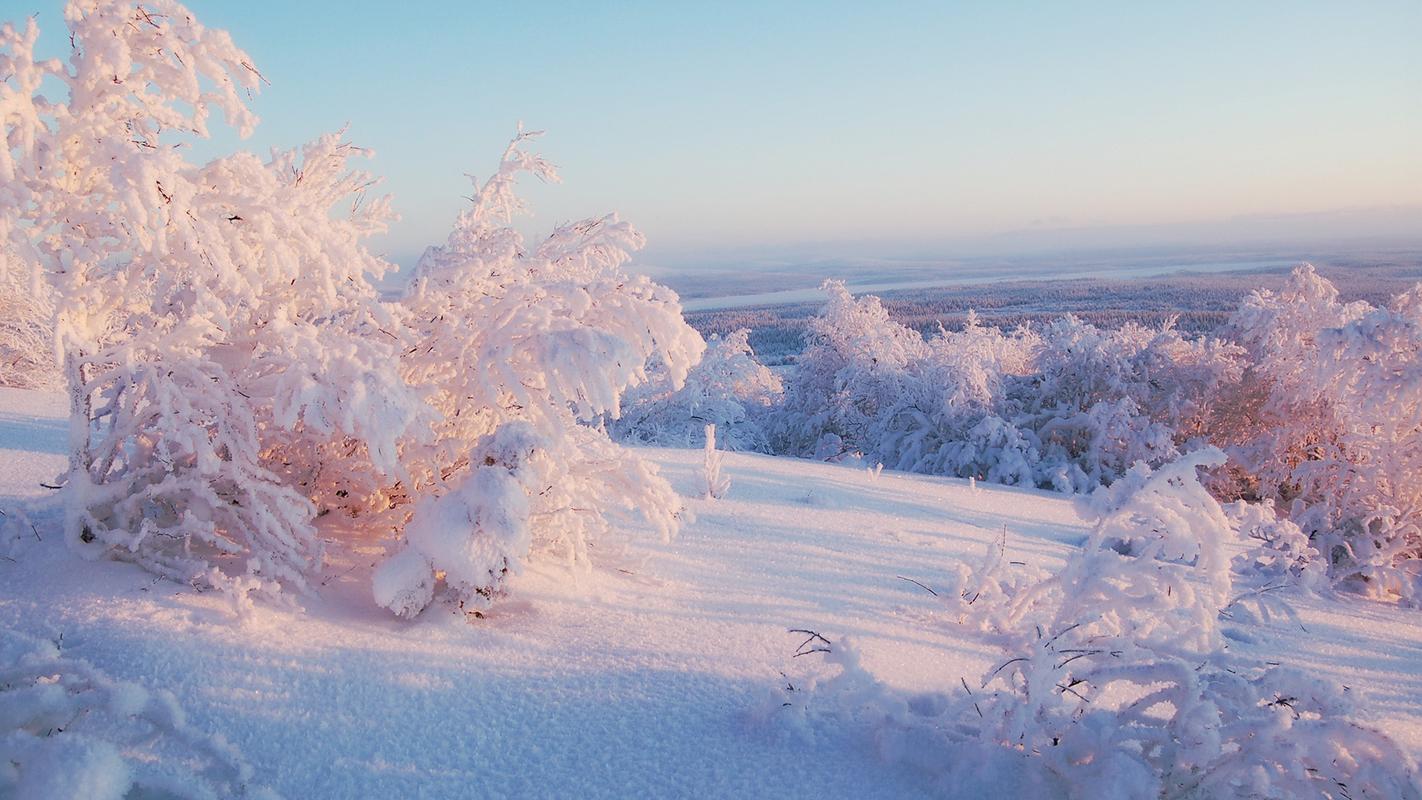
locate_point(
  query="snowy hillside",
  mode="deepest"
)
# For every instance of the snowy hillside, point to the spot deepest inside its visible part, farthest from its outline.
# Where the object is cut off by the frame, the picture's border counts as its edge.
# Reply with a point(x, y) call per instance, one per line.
point(272, 525)
point(657, 673)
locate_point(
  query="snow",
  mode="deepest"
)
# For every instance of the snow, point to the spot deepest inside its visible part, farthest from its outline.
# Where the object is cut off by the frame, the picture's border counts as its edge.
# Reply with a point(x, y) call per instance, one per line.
point(653, 674)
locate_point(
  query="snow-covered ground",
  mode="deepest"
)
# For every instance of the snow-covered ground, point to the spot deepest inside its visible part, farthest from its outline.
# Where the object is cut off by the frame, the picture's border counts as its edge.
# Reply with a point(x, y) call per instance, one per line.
point(652, 676)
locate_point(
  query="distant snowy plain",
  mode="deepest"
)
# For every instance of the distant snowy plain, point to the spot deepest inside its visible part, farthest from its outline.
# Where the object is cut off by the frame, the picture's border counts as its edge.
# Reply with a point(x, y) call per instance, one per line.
point(657, 674)
point(867, 283)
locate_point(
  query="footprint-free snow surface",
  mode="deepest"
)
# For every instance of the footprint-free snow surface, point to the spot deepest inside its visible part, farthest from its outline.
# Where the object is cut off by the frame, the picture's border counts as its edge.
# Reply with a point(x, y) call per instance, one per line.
point(656, 674)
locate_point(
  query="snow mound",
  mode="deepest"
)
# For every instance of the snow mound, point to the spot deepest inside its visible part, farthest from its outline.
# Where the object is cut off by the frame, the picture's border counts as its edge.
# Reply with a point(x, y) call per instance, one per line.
point(69, 732)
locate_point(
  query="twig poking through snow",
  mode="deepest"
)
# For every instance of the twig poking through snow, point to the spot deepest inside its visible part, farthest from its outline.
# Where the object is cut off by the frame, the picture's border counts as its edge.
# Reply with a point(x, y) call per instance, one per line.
point(814, 644)
point(916, 583)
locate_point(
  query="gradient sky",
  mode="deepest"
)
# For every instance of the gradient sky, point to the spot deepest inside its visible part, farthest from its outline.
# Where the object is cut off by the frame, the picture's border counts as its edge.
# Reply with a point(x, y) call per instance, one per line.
point(769, 126)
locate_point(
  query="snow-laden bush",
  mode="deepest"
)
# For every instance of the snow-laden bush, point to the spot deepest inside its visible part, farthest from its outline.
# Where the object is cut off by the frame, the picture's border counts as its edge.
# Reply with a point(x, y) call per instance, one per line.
point(26, 328)
point(233, 373)
point(729, 388)
point(521, 350)
point(982, 593)
point(1154, 570)
point(868, 385)
point(853, 369)
point(1370, 373)
point(1280, 553)
point(944, 416)
point(215, 320)
point(1101, 400)
point(1328, 422)
point(1274, 428)
point(1069, 407)
point(1116, 685)
point(69, 732)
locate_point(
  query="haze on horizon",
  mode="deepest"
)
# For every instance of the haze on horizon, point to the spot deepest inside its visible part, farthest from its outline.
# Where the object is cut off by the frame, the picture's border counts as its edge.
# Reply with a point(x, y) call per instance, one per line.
point(740, 131)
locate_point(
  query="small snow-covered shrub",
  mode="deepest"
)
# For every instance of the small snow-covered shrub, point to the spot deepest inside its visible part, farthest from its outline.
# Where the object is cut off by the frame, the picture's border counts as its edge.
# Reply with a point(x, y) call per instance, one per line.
point(1280, 553)
point(69, 732)
point(15, 529)
point(981, 594)
point(1154, 571)
point(717, 482)
point(1116, 684)
point(520, 351)
point(476, 534)
point(728, 388)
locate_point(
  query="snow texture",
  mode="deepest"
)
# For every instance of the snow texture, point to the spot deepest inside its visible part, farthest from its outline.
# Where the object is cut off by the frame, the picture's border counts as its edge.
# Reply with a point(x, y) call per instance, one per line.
point(655, 677)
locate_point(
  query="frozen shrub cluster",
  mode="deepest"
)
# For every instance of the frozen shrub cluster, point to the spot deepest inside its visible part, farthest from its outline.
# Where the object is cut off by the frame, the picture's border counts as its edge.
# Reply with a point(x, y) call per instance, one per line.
point(728, 388)
point(1098, 401)
point(69, 732)
point(1115, 683)
point(1070, 407)
point(233, 373)
point(1317, 403)
point(1328, 423)
point(26, 335)
point(852, 372)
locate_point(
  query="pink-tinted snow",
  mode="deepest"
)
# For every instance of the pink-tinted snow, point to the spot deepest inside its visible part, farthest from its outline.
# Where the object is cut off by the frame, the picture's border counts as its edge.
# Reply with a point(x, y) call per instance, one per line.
point(642, 678)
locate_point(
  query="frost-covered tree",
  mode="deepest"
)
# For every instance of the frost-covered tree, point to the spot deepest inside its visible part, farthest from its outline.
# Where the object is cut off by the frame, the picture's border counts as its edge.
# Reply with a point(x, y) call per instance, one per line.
point(521, 350)
point(1370, 373)
point(944, 418)
point(729, 388)
point(1271, 423)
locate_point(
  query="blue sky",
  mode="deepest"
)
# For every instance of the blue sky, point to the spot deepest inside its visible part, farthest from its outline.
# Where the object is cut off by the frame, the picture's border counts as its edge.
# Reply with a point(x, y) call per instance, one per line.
point(748, 127)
